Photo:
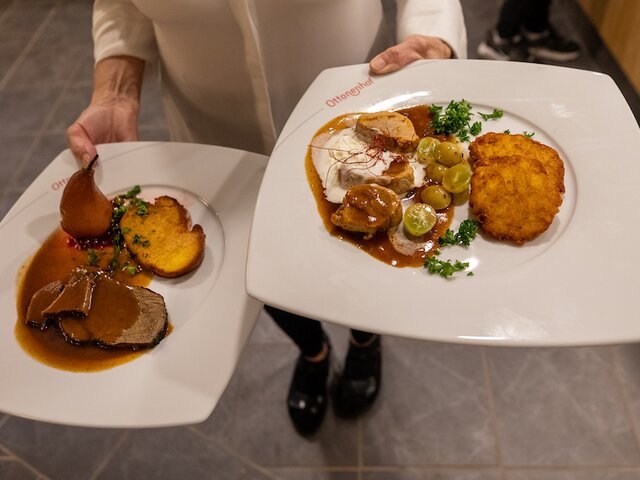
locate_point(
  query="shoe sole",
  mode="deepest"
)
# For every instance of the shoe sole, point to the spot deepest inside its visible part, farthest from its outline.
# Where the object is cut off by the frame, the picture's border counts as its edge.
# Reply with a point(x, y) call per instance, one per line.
point(552, 56)
point(488, 53)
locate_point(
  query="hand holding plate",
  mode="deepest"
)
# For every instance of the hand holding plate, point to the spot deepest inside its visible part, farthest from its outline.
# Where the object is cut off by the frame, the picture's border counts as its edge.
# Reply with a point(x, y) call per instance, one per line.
point(414, 47)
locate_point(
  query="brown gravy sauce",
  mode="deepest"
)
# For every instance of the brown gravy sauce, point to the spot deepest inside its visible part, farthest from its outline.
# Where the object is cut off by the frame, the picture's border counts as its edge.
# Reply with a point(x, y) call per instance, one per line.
point(379, 246)
point(55, 259)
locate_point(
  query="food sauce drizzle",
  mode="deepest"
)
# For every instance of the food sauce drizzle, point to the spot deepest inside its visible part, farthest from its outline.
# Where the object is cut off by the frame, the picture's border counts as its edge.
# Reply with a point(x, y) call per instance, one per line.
point(55, 259)
point(379, 246)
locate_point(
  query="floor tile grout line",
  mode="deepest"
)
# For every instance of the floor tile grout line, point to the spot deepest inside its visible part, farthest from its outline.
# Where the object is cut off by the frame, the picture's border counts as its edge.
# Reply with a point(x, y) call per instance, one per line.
point(572, 468)
point(492, 406)
point(5, 452)
point(314, 469)
point(25, 464)
point(37, 136)
point(618, 372)
point(110, 454)
point(453, 467)
point(27, 49)
point(39, 133)
point(244, 460)
point(7, 12)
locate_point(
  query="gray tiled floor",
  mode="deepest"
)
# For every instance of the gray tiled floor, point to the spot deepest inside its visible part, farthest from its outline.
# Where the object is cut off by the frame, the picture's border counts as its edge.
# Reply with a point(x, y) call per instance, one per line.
point(446, 411)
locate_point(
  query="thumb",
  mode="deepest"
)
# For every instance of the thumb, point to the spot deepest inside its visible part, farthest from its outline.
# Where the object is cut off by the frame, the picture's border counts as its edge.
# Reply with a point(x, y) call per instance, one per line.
point(393, 58)
point(80, 144)
point(380, 64)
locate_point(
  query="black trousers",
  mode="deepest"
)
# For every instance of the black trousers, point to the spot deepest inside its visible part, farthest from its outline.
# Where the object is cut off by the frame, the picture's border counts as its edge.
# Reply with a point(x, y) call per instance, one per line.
point(533, 15)
point(307, 334)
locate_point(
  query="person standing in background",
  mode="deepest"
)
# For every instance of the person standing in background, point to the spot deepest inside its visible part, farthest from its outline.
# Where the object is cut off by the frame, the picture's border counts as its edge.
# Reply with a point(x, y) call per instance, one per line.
point(524, 31)
point(231, 73)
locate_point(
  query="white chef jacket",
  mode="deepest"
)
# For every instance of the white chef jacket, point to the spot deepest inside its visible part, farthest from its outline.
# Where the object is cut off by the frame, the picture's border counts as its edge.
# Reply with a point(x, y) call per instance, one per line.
point(233, 70)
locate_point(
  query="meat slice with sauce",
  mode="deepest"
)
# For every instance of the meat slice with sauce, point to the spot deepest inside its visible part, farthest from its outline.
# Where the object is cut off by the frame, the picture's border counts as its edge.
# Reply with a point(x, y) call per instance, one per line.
point(94, 308)
point(398, 176)
point(388, 129)
point(39, 303)
point(74, 299)
point(368, 209)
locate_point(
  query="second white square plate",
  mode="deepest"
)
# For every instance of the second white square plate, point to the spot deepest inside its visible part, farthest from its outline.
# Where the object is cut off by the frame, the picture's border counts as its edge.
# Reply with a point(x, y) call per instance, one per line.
point(574, 285)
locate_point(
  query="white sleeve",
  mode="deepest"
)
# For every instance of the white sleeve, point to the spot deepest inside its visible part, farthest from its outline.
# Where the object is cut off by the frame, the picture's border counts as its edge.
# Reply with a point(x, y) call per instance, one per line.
point(119, 28)
point(437, 18)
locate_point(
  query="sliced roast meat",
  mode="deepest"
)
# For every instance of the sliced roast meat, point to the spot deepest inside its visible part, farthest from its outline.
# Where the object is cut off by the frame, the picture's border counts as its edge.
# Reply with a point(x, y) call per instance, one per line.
point(94, 308)
point(40, 301)
point(121, 316)
point(75, 299)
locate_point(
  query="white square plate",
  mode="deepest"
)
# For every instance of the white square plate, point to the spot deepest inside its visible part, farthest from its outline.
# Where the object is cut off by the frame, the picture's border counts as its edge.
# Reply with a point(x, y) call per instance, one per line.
point(574, 285)
point(180, 380)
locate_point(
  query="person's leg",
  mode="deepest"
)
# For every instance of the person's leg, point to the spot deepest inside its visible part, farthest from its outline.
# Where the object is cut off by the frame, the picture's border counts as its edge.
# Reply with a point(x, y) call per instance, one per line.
point(307, 334)
point(543, 41)
point(504, 41)
point(362, 338)
point(536, 15)
point(512, 15)
point(358, 386)
point(307, 398)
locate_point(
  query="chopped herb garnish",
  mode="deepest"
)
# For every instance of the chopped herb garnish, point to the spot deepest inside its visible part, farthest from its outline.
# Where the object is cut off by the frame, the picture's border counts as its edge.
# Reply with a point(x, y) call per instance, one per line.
point(444, 268)
point(93, 258)
point(490, 116)
point(449, 238)
point(507, 131)
point(113, 264)
point(121, 204)
point(142, 208)
point(465, 234)
point(133, 192)
point(528, 134)
point(130, 269)
point(454, 121)
point(138, 240)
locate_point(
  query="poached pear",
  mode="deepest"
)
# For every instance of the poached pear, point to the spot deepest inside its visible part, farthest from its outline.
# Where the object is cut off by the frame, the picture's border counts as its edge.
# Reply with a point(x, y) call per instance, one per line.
point(84, 210)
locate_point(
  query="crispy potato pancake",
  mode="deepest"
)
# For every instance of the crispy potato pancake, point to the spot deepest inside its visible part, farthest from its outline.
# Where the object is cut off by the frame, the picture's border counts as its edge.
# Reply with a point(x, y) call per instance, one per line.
point(495, 145)
point(514, 197)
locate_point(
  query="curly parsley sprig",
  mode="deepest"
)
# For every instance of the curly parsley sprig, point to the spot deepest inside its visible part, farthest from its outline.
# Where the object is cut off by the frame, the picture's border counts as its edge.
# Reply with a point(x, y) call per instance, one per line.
point(446, 268)
point(455, 119)
point(465, 234)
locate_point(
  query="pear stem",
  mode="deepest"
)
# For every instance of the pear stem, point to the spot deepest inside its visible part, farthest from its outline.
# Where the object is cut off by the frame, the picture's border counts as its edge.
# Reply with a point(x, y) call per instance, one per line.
point(90, 166)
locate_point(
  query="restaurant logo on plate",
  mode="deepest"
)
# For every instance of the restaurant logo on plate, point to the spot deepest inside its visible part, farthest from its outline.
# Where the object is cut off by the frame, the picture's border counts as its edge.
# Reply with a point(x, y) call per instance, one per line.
point(352, 92)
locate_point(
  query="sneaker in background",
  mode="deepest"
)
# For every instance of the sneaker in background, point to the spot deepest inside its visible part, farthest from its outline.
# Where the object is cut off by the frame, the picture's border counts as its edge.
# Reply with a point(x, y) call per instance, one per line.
point(551, 46)
point(495, 47)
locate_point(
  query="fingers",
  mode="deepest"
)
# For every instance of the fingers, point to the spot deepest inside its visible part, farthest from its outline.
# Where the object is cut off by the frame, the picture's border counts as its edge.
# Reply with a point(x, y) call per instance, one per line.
point(80, 144)
point(414, 47)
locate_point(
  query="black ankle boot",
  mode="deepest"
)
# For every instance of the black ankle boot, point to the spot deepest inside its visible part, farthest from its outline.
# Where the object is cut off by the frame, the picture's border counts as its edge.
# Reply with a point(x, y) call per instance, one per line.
point(359, 383)
point(307, 400)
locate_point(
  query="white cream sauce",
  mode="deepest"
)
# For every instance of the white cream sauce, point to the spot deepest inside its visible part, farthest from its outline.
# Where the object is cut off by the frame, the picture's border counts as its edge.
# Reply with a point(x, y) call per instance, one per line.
point(343, 155)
